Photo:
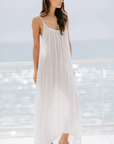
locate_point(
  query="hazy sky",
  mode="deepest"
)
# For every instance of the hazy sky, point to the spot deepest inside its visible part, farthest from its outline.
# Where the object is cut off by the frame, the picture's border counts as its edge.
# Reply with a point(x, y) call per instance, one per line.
point(88, 19)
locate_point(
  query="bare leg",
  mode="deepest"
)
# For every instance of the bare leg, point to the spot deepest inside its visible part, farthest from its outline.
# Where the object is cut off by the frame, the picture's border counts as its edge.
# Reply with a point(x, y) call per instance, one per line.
point(64, 138)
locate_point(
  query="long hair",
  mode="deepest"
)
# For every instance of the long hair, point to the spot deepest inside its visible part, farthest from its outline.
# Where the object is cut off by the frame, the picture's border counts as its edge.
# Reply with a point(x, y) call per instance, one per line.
point(60, 13)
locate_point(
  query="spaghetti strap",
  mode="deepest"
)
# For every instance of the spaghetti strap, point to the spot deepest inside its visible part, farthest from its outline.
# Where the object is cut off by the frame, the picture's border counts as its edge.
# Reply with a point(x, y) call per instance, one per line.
point(41, 18)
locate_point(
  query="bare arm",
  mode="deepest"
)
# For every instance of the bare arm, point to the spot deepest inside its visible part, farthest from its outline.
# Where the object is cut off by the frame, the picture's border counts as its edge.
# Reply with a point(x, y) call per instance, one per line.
point(67, 24)
point(36, 44)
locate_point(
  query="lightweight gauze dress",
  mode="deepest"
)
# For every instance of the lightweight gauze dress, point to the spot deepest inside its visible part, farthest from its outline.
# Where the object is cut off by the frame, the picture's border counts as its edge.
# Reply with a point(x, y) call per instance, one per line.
point(58, 107)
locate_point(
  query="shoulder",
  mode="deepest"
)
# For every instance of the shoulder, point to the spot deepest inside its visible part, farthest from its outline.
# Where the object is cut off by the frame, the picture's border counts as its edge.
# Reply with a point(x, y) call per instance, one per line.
point(36, 22)
point(67, 23)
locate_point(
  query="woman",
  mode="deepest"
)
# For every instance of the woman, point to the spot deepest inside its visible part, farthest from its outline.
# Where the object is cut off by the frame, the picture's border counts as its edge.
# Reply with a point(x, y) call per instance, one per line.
point(57, 102)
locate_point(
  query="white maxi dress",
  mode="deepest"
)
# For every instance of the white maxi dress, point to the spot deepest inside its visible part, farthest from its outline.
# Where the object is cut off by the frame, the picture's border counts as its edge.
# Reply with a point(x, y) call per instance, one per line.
point(58, 107)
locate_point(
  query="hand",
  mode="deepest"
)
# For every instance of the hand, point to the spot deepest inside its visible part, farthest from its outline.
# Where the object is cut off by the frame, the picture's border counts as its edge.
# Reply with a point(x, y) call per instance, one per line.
point(74, 72)
point(35, 77)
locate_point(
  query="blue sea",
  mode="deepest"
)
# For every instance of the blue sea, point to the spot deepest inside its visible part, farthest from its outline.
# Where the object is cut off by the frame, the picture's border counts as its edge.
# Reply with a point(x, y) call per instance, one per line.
point(22, 51)
point(17, 88)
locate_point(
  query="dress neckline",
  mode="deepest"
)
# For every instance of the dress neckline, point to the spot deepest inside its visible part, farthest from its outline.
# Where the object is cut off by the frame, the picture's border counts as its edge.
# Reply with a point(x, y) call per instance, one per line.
point(48, 26)
point(51, 28)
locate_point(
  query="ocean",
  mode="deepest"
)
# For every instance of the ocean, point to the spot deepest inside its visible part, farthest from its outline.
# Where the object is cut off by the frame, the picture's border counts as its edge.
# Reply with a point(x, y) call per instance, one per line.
point(22, 51)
